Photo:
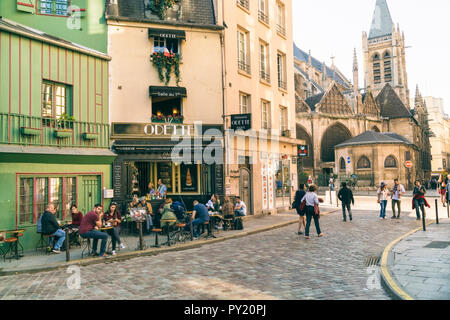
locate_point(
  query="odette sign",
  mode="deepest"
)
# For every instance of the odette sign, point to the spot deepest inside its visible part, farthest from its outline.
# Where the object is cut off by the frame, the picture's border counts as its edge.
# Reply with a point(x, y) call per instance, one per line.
point(168, 130)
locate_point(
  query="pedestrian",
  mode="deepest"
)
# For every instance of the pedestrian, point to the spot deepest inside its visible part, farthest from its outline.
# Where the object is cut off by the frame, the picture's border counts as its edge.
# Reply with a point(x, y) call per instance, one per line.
point(448, 191)
point(331, 183)
point(443, 188)
point(396, 194)
point(383, 194)
point(297, 203)
point(346, 197)
point(312, 211)
point(419, 200)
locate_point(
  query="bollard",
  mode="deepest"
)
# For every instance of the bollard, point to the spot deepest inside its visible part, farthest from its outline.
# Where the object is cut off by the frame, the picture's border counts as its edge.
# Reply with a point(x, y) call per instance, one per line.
point(67, 245)
point(141, 245)
point(437, 211)
point(448, 209)
point(423, 218)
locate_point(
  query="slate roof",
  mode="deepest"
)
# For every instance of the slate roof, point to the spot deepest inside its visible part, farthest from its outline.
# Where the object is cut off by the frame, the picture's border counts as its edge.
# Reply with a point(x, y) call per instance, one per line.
point(381, 21)
point(391, 106)
point(372, 137)
point(303, 56)
point(196, 12)
point(14, 27)
point(312, 101)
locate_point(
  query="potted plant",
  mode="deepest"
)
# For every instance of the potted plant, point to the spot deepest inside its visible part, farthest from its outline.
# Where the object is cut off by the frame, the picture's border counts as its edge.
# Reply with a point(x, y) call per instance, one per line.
point(166, 62)
point(64, 126)
point(160, 6)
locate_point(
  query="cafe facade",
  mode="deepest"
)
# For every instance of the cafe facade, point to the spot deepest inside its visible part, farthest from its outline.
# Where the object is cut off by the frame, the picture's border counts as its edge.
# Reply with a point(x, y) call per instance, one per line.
point(166, 104)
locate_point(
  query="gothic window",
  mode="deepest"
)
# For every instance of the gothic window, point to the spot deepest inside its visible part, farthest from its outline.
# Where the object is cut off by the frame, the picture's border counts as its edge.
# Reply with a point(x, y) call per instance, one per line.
point(390, 162)
point(375, 128)
point(376, 68)
point(387, 67)
point(363, 163)
point(342, 164)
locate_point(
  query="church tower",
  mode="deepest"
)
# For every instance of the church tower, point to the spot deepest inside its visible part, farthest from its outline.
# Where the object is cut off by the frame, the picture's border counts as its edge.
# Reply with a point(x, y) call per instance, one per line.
point(384, 54)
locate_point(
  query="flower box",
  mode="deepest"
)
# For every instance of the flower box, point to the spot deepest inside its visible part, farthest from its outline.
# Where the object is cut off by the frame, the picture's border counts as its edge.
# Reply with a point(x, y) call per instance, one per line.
point(30, 131)
point(63, 134)
point(90, 136)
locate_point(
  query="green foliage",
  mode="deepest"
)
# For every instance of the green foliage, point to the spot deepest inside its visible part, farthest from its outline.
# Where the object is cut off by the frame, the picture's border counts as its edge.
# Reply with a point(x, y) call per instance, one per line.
point(160, 7)
point(65, 121)
point(166, 62)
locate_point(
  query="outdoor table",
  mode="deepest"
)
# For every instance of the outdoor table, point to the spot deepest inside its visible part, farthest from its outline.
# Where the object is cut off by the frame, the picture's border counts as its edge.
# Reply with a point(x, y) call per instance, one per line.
point(16, 244)
point(168, 221)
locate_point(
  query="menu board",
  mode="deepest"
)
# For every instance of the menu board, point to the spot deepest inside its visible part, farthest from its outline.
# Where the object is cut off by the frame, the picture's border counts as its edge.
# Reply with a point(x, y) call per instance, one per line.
point(218, 179)
point(164, 170)
point(117, 180)
point(189, 181)
point(265, 184)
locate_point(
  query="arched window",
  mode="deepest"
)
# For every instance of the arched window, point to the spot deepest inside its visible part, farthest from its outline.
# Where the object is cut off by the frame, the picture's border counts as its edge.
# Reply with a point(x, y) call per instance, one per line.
point(387, 67)
point(363, 163)
point(342, 163)
point(376, 68)
point(390, 162)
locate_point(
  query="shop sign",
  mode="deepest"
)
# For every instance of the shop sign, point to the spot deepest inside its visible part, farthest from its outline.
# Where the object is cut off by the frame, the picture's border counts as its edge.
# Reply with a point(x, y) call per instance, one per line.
point(302, 150)
point(241, 121)
point(168, 130)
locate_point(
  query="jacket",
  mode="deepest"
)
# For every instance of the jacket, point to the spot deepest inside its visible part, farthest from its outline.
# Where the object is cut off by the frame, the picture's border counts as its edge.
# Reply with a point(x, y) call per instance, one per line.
point(49, 223)
point(346, 196)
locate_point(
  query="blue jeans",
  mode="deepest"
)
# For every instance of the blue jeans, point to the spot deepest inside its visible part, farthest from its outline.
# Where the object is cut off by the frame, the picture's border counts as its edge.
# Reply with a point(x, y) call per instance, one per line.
point(149, 222)
point(309, 216)
point(344, 206)
point(419, 204)
point(61, 235)
point(383, 204)
point(196, 225)
point(239, 213)
point(96, 235)
point(115, 237)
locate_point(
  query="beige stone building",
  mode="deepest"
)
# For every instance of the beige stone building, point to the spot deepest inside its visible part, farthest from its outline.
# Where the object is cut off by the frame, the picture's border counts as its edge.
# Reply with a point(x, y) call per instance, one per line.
point(440, 141)
point(259, 80)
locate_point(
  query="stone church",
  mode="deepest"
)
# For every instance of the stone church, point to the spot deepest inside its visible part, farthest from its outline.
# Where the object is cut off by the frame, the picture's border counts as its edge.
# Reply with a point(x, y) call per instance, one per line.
point(371, 132)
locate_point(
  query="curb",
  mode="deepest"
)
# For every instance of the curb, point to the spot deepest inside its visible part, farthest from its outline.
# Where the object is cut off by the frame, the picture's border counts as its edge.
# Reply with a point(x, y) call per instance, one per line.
point(150, 252)
point(388, 280)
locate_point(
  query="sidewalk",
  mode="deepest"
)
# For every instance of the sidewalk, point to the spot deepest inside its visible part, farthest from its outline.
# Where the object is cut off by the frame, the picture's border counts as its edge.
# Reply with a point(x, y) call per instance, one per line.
point(418, 266)
point(39, 261)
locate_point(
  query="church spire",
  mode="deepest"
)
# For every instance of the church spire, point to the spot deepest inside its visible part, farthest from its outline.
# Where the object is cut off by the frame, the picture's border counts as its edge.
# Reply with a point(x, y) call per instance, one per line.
point(382, 23)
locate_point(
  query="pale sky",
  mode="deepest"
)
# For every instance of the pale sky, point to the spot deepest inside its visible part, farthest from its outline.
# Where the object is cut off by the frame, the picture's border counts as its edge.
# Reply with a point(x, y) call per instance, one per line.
point(333, 28)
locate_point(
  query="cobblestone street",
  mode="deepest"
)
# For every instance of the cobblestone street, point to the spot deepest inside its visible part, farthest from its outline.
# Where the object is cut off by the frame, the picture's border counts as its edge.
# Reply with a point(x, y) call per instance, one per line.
point(276, 264)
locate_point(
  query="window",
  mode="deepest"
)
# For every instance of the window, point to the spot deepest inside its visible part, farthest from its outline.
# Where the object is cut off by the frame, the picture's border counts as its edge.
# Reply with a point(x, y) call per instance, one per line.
point(264, 61)
point(244, 103)
point(243, 3)
point(281, 19)
point(243, 56)
point(55, 194)
point(363, 163)
point(41, 193)
point(26, 201)
point(160, 44)
point(408, 156)
point(265, 114)
point(376, 68)
point(55, 101)
point(281, 67)
point(283, 120)
point(54, 7)
point(387, 67)
point(263, 12)
point(390, 162)
point(342, 163)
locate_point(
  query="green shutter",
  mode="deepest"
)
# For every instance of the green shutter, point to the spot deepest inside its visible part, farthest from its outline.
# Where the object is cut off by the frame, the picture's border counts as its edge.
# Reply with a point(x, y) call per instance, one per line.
point(26, 5)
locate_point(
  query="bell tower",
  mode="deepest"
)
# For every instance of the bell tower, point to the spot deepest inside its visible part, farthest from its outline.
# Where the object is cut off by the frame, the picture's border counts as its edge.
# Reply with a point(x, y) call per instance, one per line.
point(384, 54)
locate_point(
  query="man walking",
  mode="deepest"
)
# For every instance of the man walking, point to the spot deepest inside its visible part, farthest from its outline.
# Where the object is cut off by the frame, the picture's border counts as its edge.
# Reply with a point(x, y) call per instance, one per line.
point(397, 193)
point(346, 197)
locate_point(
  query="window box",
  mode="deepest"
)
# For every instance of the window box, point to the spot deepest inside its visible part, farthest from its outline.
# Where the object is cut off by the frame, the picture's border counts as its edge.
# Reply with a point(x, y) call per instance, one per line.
point(63, 133)
point(90, 136)
point(30, 131)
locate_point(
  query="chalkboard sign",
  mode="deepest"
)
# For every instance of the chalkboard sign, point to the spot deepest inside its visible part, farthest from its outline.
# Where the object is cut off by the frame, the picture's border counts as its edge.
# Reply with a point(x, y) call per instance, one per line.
point(117, 180)
point(218, 179)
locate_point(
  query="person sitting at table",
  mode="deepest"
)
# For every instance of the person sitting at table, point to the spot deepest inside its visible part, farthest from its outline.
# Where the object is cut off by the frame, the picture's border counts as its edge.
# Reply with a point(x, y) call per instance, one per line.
point(210, 205)
point(89, 228)
point(168, 214)
point(217, 204)
point(162, 189)
point(77, 216)
point(51, 227)
point(148, 210)
point(241, 209)
point(114, 218)
point(228, 209)
point(199, 216)
point(180, 212)
point(151, 190)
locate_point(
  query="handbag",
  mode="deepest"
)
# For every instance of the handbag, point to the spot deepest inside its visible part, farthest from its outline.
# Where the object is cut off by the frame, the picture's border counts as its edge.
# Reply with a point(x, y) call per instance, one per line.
point(303, 206)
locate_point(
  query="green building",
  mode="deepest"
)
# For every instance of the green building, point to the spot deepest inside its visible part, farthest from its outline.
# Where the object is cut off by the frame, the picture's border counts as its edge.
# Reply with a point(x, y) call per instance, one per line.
point(78, 21)
point(54, 131)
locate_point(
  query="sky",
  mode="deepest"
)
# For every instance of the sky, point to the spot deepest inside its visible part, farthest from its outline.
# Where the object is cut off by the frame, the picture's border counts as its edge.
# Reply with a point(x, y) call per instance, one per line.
point(334, 28)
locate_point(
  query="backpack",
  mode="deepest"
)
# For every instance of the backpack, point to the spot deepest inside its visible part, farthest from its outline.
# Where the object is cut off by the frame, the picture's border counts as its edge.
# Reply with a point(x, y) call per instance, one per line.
point(238, 225)
point(179, 211)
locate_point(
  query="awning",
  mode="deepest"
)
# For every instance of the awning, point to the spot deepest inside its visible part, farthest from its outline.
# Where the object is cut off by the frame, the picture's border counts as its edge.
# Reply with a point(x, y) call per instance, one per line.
point(166, 33)
point(167, 91)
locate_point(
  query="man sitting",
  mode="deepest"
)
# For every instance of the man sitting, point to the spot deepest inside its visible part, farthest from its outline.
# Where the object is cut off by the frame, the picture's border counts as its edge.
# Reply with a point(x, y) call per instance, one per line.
point(241, 209)
point(51, 227)
point(199, 216)
point(90, 224)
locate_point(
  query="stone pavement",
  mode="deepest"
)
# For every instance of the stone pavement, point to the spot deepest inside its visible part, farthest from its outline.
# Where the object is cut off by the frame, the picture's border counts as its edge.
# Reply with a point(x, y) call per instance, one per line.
point(38, 261)
point(420, 264)
point(276, 264)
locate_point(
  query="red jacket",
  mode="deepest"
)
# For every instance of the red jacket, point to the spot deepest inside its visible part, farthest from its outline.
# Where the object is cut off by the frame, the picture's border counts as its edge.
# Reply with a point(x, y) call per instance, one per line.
point(417, 197)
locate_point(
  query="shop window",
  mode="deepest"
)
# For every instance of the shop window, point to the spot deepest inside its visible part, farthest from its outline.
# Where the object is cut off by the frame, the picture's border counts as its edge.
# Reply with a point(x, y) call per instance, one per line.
point(26, 201)
point(363, 163)
point(167, 110)
point(55, 102)
point(41, 194)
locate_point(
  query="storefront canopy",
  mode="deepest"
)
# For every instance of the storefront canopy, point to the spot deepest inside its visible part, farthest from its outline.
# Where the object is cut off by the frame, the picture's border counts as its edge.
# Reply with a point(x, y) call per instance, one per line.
point(166, 33)
point(156, 91)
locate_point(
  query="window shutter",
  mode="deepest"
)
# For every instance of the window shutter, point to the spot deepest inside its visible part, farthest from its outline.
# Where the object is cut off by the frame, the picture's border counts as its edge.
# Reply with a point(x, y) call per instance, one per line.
point(26, 5)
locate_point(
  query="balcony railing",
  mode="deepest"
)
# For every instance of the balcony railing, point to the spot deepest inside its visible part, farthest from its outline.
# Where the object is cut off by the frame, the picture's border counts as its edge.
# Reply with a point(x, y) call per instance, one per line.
point(263, 17)
point(281, 30)
point(244, 66)
point(37, 131)
point(282, 84)
point(243, 3)
point(264, 76)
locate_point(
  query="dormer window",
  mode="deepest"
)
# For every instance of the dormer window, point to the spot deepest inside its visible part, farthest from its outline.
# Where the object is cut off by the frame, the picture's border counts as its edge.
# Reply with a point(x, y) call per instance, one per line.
point(161, 44)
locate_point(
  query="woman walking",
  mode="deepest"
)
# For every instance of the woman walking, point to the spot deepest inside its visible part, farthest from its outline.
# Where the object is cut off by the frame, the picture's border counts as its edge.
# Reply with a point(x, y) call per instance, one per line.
point(383, 194)
point(443, 181)
point(312, 211)
point(113, 217)
point(419, 201)
point(297, 203)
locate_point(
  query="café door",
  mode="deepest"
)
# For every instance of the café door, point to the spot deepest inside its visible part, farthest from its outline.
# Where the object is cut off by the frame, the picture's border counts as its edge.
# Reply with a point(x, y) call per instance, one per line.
point(90, 193)
point(245, 188)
